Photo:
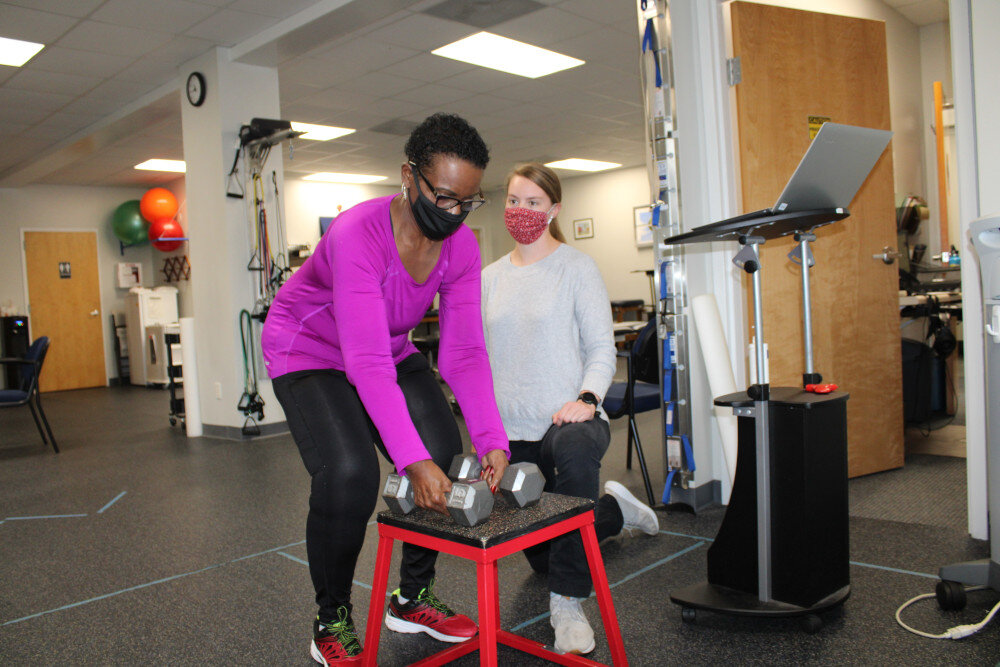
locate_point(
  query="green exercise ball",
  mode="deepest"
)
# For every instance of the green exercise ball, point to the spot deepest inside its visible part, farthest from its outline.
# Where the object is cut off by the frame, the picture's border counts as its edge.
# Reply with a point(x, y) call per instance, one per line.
point(129, 225)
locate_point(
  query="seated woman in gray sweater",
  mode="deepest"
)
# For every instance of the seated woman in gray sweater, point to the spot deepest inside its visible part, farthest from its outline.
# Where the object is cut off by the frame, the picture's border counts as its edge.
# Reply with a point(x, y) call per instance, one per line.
point(547, 320)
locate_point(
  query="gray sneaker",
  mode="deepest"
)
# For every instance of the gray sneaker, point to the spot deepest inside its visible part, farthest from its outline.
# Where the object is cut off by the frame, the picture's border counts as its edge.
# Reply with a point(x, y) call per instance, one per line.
point(637, 514)
point(573, 631)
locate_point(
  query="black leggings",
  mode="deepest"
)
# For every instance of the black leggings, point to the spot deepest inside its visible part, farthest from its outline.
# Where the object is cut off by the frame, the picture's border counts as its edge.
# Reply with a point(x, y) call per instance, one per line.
point(570, 458)
point(334, 435)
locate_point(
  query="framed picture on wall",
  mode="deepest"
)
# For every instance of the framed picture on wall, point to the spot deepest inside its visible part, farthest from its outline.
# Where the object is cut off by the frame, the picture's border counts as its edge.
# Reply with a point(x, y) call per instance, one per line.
point(643, 216)
point(583, 228)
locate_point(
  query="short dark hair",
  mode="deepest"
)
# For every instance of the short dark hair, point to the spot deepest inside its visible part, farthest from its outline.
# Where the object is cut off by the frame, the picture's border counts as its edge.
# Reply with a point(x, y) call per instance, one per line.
point(446, 134)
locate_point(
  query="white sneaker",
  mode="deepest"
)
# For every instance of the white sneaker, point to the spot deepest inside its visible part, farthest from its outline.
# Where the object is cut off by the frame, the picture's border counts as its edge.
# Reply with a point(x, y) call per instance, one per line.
point(637, 514)
point(573, 631)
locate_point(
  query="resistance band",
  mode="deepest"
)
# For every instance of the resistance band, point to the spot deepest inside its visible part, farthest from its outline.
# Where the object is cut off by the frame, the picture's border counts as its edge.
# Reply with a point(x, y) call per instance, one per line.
point(250, 401)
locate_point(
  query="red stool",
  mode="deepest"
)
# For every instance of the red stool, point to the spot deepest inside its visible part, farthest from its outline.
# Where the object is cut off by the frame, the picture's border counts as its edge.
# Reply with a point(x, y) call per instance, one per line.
point(507, 531)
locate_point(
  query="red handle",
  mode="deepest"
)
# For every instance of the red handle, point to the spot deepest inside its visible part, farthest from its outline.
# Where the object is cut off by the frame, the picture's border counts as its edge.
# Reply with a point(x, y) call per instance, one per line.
point(821, 388)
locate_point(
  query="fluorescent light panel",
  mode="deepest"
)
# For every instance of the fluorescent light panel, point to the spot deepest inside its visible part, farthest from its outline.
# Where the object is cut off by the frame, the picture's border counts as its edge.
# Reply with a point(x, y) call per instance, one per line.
point(580, 164)
point(332, 177)
point(507, 55)
point(163, 165)
point(16, 52)
point(320, 132)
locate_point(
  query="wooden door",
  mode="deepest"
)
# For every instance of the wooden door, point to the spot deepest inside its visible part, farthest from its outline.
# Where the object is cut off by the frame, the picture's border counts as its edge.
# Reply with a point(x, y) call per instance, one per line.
point(796, 65)
point(64, 298)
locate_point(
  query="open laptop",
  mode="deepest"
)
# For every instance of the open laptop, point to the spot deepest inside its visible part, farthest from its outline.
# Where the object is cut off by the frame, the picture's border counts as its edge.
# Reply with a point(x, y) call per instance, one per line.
point(838, 161)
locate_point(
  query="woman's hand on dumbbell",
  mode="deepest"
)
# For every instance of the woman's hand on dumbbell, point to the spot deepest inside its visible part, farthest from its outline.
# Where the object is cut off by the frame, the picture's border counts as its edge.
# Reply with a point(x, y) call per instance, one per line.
point(494, 464)
point(430, 485)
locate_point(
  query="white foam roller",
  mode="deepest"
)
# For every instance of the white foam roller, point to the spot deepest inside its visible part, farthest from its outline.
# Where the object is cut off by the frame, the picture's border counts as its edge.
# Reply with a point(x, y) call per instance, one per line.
point(721, 380)
point(189, 366)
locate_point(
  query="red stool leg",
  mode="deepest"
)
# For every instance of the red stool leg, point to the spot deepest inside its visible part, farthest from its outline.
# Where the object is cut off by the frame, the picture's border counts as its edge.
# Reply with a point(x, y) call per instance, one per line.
point(377, 605)
point(488, 612)
point(603, 592)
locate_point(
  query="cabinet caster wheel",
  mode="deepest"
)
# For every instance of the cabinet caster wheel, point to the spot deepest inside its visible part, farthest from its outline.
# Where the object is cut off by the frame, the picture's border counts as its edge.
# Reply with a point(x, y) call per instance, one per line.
point(950, 595)
point(811, 623)
point(688, 615)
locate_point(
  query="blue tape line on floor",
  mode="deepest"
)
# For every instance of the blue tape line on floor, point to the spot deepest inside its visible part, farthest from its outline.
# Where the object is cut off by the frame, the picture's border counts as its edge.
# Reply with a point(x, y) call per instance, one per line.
point(305, 562)
point(48, 516)
point(112, 502)
point(147, 584)
point(693, 537)
point(643, 570)
point(895, 569)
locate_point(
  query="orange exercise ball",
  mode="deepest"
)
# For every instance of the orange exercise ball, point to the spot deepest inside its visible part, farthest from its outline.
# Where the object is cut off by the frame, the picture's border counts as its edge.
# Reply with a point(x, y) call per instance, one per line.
point(165, 228)
point(158, 203)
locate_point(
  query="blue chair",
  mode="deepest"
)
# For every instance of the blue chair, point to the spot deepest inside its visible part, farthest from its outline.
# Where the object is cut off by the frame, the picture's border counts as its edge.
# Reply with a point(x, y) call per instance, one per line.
point(30, 367)
point(640, 393)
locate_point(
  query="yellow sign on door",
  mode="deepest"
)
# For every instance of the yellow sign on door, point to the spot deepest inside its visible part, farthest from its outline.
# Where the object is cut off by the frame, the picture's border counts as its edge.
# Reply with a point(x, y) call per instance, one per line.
point(816, 122)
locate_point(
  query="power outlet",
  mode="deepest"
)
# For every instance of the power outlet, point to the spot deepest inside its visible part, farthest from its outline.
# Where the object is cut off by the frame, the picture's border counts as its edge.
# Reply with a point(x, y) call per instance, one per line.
point(218, 391)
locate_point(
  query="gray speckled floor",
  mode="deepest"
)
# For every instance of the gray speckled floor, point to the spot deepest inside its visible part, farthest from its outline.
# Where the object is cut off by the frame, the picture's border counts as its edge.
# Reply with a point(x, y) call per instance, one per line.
point(157, 548)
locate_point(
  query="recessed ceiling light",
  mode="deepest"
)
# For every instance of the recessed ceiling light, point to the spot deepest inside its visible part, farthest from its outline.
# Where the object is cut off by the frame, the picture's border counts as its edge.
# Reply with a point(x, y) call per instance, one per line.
point(331, 177)
point(579, 164)
point(15, 52)
point(507, 55)
point(163, 165)
point(320, 132)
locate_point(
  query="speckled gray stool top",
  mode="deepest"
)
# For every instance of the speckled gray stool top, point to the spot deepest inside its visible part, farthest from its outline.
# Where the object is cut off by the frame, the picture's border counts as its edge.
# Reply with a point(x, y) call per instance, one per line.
point(505, 523)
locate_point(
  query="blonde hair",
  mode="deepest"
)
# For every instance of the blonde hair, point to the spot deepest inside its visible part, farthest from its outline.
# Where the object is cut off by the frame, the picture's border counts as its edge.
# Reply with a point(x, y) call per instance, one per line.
point(548, 181)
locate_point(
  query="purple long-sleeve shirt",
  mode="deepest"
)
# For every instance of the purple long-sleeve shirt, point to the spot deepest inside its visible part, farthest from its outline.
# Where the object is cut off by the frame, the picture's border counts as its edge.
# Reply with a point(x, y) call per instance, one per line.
point(351, 307)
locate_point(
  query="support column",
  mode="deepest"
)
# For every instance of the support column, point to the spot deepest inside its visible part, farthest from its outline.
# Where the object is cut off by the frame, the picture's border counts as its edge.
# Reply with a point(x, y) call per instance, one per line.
point(220, 233)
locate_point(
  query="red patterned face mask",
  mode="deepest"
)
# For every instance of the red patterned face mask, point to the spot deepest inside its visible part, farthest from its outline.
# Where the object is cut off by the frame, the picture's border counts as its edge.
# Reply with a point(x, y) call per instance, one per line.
point(524, 224)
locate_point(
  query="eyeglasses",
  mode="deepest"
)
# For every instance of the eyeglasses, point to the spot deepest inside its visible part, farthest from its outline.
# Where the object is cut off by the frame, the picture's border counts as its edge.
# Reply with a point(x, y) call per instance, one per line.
point(447, 202)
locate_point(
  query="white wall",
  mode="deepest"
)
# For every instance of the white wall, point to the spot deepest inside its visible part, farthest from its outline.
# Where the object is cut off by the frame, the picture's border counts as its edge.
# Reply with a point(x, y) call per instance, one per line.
point(185, 308)
point(903, 51)
point(51, 207)
point(307, 201)
point(935, 65)
point(608, 198)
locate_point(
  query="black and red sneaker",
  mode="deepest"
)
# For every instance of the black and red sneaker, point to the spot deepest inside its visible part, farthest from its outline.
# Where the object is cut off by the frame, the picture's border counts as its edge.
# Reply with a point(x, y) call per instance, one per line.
point(428, 614)
point(336, 642)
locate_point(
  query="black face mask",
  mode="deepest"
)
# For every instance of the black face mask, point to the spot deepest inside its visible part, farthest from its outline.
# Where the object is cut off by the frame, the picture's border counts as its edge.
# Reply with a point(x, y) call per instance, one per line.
point(435, 223)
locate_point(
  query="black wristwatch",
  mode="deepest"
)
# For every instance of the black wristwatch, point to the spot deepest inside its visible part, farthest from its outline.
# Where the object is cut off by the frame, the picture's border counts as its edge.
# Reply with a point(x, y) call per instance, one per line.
point(589, 398)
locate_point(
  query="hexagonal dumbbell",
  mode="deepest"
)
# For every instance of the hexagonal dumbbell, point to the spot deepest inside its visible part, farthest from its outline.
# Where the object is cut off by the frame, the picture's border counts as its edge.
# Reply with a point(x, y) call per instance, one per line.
point(398, 494)
point(465, 466)
point(522, 484)
point(470, 502)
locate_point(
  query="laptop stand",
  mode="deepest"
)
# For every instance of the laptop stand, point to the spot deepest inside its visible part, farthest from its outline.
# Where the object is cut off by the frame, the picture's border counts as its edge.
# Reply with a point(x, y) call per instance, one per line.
point(782, 548)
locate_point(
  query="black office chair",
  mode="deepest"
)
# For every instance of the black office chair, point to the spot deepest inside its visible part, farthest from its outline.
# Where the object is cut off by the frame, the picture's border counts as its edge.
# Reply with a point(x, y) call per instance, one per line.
point(30, 367)
point(640, 393)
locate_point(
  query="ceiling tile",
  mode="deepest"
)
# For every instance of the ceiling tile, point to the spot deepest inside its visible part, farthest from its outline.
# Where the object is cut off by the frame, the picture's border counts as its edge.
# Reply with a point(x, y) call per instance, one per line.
point(52, 82)
point(74, 61)
point(43, 101)
point(33, 25)
point(279, 10)
point(77, 8)
point(113, 39)
point(926, 12)
point(428, 67)
point(380, 84)
point(545, 27)
point(421, 32)
point(162, 16)
point(229, 27)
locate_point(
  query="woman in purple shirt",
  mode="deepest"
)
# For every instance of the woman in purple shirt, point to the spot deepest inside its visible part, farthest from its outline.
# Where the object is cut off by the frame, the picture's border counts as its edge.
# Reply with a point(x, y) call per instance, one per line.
point(336, 346)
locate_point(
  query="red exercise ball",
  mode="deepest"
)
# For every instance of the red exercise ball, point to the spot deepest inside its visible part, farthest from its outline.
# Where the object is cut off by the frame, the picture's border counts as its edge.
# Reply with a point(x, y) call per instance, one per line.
point(165, 228)
point(158, 203)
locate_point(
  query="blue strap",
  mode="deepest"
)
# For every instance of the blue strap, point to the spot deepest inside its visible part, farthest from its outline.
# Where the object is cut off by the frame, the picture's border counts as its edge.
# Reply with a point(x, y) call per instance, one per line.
point(667, 487)
point(667, 385)
point(647, 44)
point(663, 280)
point(656, 215)
point(668, 427)
point(688, 453)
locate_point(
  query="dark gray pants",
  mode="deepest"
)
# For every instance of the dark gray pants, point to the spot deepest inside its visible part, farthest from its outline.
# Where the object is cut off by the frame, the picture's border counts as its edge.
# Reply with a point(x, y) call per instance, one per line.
point(570, 458)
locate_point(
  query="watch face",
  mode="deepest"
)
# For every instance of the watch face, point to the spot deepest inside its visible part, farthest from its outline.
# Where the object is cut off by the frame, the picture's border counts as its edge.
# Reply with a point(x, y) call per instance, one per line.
point(196, 88)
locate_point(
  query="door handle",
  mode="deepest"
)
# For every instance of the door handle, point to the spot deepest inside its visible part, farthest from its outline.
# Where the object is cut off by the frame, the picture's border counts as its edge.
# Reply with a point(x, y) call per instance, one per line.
point(888, 255)
point(95, 312)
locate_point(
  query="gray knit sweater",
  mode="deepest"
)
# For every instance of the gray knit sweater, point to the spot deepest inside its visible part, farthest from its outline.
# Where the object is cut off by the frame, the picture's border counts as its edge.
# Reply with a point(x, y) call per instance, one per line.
point(549, 336)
